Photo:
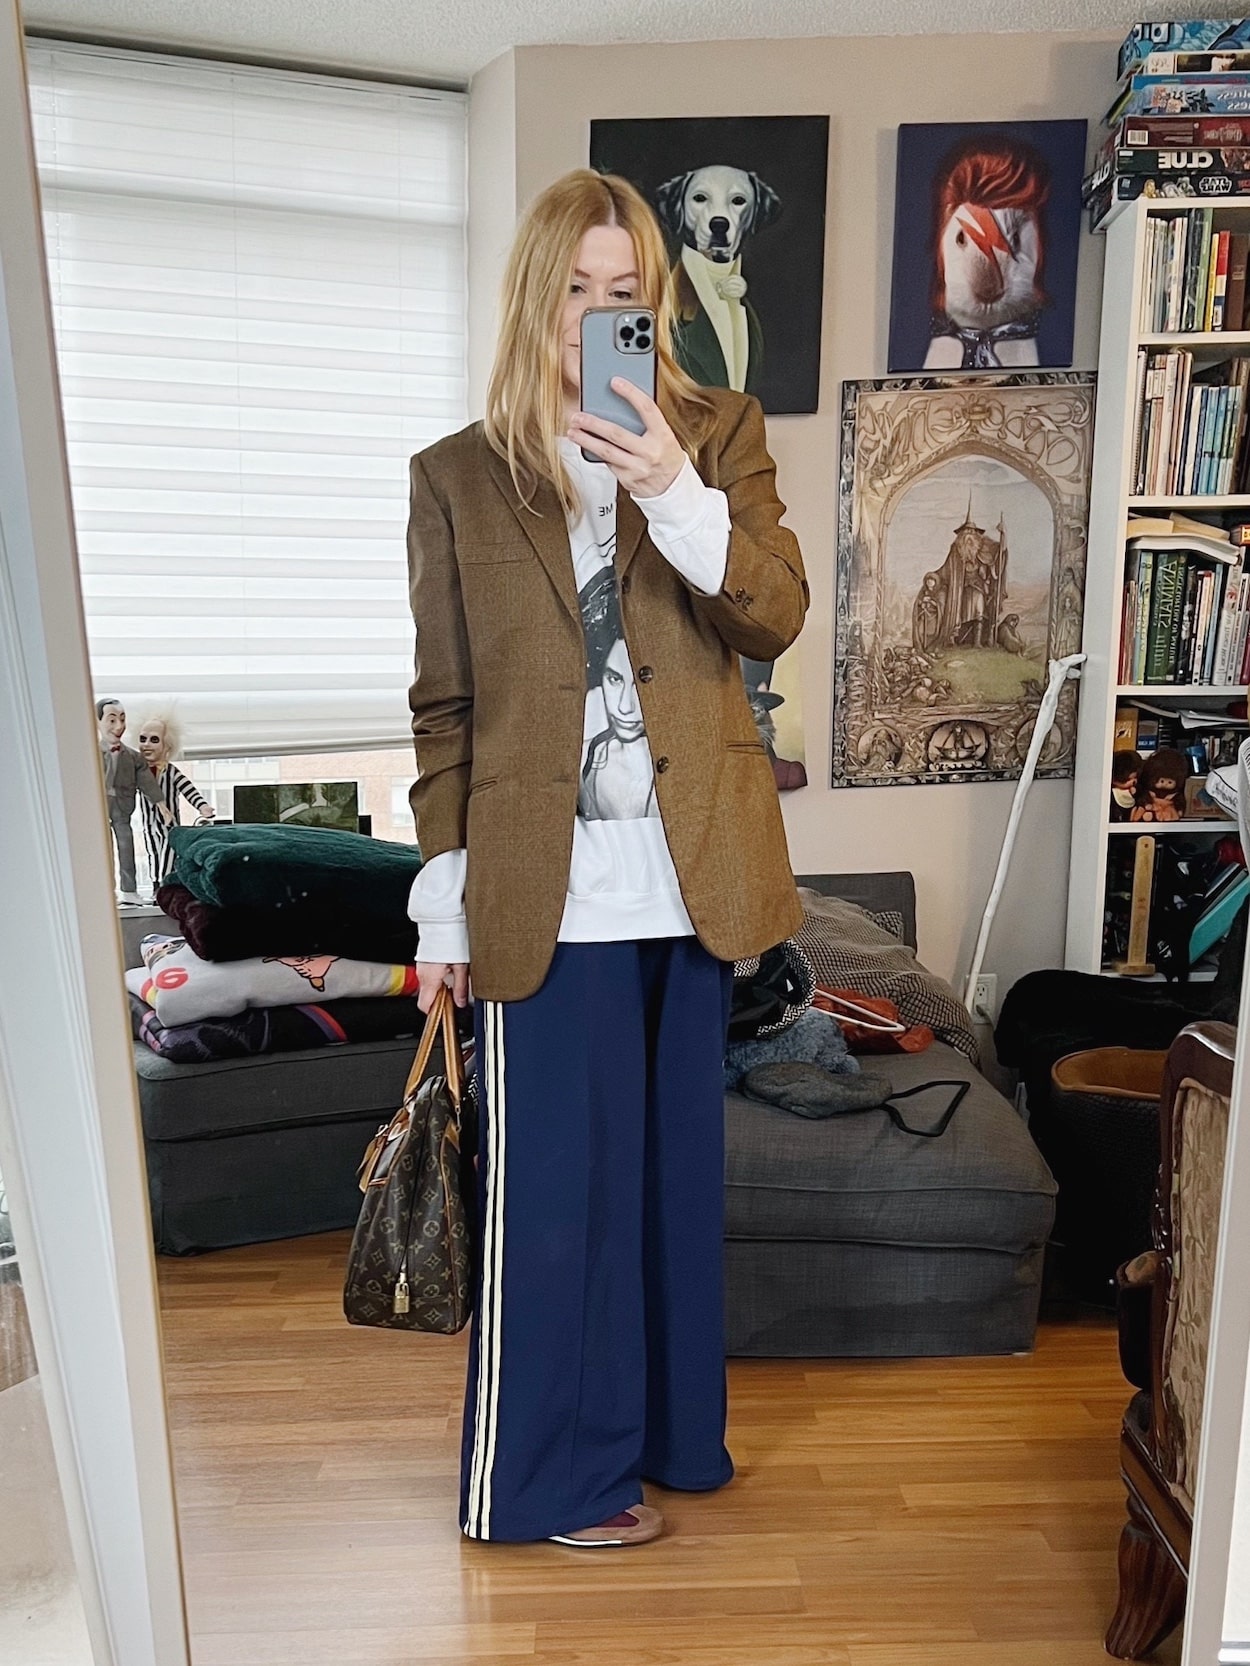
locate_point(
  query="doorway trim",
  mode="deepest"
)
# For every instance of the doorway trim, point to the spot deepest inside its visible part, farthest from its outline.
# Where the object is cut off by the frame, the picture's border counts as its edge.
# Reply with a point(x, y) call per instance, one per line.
point(70, 1139)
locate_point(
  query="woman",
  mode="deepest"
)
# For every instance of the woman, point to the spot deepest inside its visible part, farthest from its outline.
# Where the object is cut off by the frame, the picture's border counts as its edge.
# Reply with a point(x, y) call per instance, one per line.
point(600, 915)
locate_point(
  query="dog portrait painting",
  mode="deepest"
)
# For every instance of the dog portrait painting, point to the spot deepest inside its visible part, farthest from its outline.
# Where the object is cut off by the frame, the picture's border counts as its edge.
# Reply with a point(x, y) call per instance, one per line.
point(742, 204)
point(987, 222)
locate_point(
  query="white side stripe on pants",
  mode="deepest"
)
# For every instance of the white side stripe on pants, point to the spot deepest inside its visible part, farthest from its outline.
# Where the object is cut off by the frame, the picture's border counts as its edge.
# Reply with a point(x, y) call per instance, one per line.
point(490, 1325)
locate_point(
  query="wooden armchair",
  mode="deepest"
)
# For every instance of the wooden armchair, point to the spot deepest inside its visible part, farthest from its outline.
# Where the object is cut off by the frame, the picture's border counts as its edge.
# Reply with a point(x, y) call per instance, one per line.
point(1165, 1320)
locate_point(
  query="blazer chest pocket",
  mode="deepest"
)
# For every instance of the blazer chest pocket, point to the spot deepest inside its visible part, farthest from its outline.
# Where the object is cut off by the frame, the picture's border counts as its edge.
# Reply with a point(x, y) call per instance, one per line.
point(488, 552)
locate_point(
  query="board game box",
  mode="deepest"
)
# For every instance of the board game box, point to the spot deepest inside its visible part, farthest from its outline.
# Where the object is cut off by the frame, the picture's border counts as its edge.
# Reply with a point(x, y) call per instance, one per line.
point(1103, 195)
point(1200, 34)
point(1232, 60)
point(1181, 95)
point(1181, 132)
point(1224, 159)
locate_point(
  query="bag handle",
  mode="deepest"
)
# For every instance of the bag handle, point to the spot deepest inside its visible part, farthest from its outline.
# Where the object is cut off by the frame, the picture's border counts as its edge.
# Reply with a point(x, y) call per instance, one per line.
point(440, 1019)
point(453, 1057)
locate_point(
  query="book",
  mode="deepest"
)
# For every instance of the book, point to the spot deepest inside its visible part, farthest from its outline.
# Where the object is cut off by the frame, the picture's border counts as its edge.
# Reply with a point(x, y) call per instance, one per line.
point(1212, 277)
point(1216, 549)
point(1163, 629)
point(1124, 736)
point(1220, 285)
point(1214, 922)
point(1183, 614)
point(1235, 299)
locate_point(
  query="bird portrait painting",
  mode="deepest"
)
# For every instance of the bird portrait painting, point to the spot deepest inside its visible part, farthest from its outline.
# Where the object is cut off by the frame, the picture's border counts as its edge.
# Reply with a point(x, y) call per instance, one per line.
point(986, 234)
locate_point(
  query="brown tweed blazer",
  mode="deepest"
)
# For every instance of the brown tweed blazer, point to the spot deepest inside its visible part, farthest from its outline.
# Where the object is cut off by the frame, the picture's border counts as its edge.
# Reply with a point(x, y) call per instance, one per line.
point(497, 703)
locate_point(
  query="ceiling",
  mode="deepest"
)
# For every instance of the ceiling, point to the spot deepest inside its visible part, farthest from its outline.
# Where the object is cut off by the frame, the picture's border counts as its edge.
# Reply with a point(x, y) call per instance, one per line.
point(447, 40)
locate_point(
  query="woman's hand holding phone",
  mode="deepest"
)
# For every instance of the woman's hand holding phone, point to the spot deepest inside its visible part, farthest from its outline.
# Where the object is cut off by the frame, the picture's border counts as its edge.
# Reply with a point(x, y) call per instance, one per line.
point(432, 973)
point(646, 464)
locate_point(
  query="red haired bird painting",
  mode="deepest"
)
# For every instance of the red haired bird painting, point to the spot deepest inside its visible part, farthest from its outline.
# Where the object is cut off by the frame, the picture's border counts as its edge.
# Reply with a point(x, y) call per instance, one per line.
point(989, 246)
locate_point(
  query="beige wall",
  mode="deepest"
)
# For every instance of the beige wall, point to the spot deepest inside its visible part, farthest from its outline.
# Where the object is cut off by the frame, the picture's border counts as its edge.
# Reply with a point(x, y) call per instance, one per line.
point(948, 836)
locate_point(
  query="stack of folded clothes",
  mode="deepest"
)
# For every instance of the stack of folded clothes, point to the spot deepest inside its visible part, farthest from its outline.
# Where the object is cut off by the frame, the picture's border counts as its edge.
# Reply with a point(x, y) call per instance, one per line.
point(292, 937)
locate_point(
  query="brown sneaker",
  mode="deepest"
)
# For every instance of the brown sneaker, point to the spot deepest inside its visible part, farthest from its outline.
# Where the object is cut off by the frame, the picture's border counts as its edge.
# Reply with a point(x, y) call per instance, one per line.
point(635, 1526)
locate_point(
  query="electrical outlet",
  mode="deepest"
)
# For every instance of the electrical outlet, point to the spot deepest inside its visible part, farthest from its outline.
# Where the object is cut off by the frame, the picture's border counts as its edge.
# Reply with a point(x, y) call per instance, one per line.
point(985, 997)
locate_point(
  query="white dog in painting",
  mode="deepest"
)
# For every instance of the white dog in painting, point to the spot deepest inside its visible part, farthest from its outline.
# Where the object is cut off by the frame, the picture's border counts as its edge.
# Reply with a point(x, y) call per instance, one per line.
point(712, 211)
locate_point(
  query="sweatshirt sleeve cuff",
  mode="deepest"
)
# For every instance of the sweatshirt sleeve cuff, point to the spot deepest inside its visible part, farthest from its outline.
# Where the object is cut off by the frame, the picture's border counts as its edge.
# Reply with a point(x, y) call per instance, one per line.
point(445, 941)
point(436, 903)
point(689, 525)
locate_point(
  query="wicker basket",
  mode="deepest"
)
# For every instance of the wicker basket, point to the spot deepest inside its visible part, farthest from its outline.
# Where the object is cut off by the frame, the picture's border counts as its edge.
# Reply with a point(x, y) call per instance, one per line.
point(1104, 1150)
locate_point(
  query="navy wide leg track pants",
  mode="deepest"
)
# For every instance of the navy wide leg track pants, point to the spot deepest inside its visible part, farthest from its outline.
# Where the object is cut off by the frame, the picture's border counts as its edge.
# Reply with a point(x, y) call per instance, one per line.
point(597, 1356)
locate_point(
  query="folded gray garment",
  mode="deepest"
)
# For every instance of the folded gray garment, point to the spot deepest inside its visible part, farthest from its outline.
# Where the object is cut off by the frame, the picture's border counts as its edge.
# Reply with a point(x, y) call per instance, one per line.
point(809, 1090)
point(815, 1038)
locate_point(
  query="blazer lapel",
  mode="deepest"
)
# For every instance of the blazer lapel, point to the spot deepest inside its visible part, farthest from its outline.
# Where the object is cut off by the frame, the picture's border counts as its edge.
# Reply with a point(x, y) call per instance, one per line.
point(631, 523)
point(547, 530)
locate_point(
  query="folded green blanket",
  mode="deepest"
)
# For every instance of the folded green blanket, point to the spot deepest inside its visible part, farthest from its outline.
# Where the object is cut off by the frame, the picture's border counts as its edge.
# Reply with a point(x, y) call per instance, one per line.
point(268, 866)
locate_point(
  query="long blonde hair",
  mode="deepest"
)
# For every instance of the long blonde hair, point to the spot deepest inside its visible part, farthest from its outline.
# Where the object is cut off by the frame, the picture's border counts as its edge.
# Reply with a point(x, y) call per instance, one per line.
point(525, 395)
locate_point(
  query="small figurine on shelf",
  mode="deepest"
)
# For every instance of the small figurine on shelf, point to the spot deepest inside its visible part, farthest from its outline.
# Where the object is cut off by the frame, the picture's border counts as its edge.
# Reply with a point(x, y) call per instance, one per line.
point(1125, 770)
point(159, 739)
point(1161, 786)
point(125, 776)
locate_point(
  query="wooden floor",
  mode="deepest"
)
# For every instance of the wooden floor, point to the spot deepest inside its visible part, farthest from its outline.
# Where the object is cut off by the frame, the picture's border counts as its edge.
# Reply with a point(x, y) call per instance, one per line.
point(909, 1513)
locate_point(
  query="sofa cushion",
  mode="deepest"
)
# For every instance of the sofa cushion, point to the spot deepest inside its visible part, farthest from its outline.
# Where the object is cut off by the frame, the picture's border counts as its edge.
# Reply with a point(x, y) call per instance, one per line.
point(982, 1185)
point(231, 1096)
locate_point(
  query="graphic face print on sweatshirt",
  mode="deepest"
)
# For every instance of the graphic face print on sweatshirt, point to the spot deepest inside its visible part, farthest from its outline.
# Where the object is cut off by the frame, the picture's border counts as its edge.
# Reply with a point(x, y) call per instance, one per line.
point(617, 782)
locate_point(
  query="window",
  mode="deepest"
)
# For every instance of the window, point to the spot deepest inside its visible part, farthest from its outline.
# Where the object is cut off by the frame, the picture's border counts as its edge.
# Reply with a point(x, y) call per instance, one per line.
point(258, 287)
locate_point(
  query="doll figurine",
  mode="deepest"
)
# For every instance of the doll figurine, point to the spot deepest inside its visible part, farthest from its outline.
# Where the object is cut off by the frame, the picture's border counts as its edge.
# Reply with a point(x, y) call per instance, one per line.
point(125, 776)
point(1125, 771)
point(159, 739)
point(1161, 786)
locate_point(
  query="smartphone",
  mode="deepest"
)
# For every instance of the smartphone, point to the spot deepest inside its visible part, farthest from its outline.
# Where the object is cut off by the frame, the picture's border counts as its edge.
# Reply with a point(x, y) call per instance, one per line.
point(616, 341)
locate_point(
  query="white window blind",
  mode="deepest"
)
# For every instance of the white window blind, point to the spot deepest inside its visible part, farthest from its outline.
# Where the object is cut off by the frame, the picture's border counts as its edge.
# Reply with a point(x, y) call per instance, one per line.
point(258, 287)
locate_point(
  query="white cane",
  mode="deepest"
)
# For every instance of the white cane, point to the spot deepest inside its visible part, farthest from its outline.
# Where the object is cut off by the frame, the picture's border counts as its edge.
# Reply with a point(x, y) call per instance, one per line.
point(1060, 671)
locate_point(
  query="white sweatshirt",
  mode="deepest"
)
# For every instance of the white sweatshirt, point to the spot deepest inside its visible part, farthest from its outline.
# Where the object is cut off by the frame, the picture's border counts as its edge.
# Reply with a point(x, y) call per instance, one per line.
point(622, 883)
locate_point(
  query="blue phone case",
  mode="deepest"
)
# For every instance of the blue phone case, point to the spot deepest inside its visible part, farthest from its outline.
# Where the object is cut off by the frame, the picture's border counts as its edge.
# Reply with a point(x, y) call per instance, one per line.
point(602, 359)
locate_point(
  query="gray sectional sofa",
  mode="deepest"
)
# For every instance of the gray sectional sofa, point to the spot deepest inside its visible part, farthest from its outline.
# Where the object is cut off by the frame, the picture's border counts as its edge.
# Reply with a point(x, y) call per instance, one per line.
point(843, 1237)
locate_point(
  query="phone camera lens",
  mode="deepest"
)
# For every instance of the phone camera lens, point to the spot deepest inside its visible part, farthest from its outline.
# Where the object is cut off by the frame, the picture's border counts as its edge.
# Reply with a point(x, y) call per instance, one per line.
point(627, 333)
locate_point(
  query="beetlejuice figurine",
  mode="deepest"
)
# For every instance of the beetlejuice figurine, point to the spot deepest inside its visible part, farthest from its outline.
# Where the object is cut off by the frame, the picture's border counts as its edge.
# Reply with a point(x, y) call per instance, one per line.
point(125, 776)
point(159, 739)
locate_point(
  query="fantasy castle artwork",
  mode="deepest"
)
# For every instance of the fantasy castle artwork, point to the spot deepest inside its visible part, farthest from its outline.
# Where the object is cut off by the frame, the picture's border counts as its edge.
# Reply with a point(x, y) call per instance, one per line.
point(960, 573)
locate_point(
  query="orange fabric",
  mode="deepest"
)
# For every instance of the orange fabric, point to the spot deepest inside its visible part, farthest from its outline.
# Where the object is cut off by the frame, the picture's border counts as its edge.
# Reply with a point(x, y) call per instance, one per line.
point(862, 1039)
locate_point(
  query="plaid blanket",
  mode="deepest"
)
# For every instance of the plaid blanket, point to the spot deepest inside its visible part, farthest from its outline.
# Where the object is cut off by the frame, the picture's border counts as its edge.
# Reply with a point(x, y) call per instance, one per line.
point(849, 949)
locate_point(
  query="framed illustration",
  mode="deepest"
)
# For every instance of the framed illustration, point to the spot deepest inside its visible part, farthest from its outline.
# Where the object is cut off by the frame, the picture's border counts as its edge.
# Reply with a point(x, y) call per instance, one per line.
point(300, 804)
point(961, 572)
point(987, 223)
point(742, 203)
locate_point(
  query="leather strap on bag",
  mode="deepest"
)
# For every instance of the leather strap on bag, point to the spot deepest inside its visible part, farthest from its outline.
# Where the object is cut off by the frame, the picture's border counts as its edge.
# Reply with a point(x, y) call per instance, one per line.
point(441, 1018)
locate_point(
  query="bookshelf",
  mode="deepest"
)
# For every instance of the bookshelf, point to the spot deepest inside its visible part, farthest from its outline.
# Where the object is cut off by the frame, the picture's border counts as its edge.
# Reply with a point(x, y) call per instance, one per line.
point(1095, 838)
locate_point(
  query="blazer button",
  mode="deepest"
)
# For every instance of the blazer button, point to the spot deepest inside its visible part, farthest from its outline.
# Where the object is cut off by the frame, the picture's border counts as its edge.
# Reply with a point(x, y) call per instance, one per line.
point(645, 673)
point(625, 584)
point(740, 596)
point(661, 764)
